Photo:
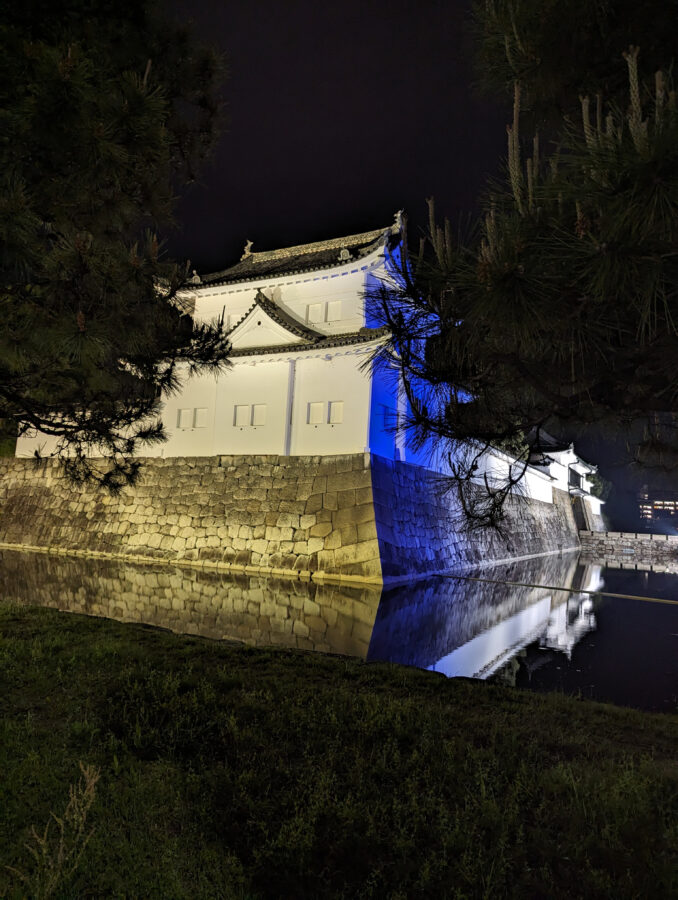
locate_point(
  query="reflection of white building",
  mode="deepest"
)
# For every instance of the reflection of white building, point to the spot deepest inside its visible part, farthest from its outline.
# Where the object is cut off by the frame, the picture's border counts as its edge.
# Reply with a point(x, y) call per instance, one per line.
point(570, 621)
point(558, 620)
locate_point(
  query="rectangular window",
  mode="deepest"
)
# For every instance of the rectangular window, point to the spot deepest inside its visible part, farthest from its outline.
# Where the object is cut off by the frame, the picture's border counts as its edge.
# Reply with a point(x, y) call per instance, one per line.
point(315, 413)
point(200, 417)
point(390, 417)
point(336, 413)
point(241, 416)
point(259, 414)
point(314, 312)
point(334, 311)
point(184, 418)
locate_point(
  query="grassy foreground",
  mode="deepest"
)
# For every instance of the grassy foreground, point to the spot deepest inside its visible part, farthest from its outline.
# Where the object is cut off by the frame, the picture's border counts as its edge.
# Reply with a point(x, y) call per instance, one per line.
point(173, 767)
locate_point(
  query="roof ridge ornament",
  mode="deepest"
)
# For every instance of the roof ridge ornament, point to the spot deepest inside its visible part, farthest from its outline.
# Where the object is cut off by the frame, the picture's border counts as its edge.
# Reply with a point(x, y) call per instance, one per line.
point(247, 251)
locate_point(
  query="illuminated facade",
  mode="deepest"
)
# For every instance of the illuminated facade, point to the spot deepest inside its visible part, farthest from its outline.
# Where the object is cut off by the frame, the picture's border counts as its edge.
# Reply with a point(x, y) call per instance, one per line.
point(658, 506)
point(301, 380)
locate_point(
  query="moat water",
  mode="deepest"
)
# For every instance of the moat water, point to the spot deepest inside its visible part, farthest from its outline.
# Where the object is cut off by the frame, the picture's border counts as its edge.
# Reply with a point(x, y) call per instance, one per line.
point(547, 624)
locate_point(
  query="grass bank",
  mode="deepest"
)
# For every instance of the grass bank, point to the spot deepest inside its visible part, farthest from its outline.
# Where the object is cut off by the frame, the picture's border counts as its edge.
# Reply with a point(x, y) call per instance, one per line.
point(211, 770)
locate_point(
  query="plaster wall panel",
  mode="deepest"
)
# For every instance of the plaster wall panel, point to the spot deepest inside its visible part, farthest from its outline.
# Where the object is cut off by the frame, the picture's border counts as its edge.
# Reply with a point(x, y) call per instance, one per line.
point(252, 408)
point(535, 486)
point(233, 302)
point(334, 302)
point(320, 382)
point(189, 420)
point(35, 442)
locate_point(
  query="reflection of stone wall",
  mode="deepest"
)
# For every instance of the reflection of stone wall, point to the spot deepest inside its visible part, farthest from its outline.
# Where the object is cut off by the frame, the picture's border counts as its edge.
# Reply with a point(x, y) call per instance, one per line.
point(354, 516)
point(253, 609)
point(419, 627)
point(627, 550)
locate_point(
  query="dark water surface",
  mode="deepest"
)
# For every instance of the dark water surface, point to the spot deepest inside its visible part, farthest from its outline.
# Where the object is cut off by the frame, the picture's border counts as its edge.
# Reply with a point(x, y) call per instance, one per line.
point(545, 624)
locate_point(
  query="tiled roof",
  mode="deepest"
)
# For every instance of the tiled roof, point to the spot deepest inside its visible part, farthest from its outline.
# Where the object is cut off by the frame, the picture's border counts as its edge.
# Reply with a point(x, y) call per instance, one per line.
point(346, 339)
point(302, 258)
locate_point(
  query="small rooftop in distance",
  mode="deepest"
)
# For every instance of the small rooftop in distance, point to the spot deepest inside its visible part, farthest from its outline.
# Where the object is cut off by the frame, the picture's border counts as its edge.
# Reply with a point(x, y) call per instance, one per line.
point(303, 257)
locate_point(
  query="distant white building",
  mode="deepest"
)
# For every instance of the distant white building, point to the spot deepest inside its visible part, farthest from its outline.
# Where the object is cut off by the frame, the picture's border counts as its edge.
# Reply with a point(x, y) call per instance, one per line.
point(302, 382)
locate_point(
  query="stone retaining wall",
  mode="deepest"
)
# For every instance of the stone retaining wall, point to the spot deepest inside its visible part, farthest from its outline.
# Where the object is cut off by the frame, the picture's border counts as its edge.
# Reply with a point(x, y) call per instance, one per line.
point(356, 517)
point(421, 528)
point(274, 513)
point(628, 550)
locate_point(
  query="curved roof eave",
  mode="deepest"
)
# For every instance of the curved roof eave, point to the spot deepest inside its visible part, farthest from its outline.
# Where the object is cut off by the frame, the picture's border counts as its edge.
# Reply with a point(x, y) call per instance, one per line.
point(275, 264)
point(363, 337)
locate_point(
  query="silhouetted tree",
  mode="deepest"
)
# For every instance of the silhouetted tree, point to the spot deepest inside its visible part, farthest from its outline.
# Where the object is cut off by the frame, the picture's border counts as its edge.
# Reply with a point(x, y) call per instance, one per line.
point(105, 111)
point(560, 312)
point(560, 49)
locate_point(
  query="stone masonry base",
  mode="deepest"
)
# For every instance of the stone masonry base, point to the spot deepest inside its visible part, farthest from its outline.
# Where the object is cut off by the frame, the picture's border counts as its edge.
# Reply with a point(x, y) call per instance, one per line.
point(630, 550)
point(357, 517)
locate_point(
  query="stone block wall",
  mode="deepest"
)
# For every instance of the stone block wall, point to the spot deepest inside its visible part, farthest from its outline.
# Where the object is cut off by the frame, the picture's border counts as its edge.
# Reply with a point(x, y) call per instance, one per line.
point(274, 513)
point(355, 516)
point(628, 550)
point(421, 528)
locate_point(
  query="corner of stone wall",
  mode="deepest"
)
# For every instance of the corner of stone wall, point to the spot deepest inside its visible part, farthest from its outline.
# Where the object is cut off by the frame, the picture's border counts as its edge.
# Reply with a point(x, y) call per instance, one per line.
point(356, 516)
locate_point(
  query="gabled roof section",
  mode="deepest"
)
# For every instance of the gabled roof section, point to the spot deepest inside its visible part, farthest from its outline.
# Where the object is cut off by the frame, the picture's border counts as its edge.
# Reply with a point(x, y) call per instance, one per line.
point(266, 328)
point(543, 450)
point(265, 324)
point(547, 443)
point(279, 315)
point(304, 257)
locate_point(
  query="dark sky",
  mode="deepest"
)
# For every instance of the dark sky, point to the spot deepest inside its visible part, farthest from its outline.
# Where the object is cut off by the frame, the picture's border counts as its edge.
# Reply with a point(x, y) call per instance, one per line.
point(337, 117)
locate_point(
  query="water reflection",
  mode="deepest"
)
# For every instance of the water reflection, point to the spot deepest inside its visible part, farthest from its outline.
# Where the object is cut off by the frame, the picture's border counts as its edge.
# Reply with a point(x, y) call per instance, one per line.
point(255, 610)
point(496, 622)
point(473, 626)
point(457, 626)
point(632, 656)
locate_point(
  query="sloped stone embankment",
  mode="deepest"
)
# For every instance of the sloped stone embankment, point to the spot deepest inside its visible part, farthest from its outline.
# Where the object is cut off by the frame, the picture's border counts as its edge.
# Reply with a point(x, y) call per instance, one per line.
point(357, 517)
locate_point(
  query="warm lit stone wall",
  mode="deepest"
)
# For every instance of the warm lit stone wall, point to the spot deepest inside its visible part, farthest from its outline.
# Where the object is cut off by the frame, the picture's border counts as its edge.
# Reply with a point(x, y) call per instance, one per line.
point(271, 512)
point(627, 550)
point(355, 516)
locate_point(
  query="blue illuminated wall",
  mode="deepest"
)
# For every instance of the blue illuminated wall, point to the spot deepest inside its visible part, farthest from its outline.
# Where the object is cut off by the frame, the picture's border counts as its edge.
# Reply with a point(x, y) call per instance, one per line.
point(383, 412)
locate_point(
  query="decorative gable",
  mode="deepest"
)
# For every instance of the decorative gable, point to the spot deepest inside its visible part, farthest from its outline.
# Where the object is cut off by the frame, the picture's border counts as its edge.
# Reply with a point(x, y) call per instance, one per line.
point(267, 325)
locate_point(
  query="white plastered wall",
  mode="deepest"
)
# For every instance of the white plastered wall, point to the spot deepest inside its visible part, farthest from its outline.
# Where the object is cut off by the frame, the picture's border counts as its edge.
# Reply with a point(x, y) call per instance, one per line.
point(188, 417)
point(261, 393)
point(497, 466)
point(321, 381)
point(249, 408)
point(35, 442)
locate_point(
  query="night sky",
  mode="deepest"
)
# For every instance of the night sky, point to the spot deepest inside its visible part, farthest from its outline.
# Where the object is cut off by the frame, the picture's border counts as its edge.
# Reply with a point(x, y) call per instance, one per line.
point(336, 118)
